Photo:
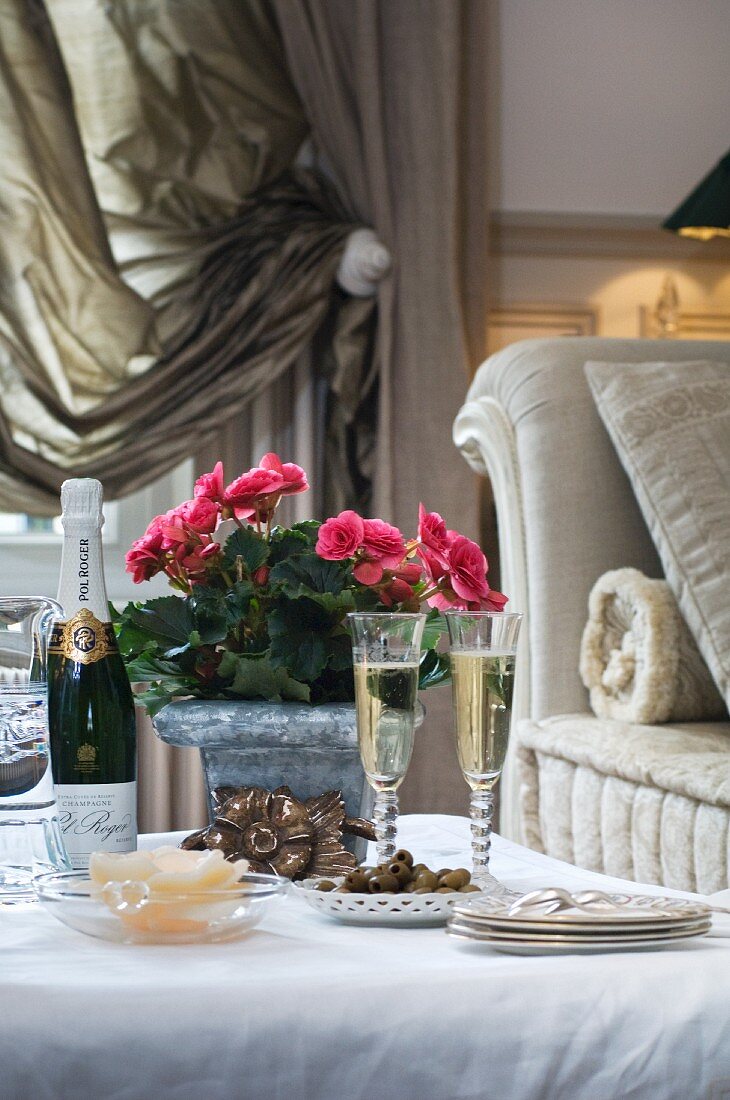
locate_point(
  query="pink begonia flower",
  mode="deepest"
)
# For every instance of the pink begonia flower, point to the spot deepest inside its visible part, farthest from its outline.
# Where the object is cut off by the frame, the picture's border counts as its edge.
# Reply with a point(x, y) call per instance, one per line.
point(175, 532)
point(411, 572)
point(340, 537)
point(200, 513)
point(433, 567)
point(396, 591)
point(152, 537)
point(197, 559)
point(433, 535)
point(467, 569)
point(295, 479)
point(465, 587)
point(142, 562)
point(144, 559)
point(250, 489)
point(495, 601)
point(383, 543)
point(261, 575)
point(211, 485)
point(368, 572)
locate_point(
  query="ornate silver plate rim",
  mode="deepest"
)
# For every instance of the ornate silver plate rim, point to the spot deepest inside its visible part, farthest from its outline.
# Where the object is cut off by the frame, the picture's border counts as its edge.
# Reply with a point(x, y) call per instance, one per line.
point(629, 909)
point(697, 927)
point(546, 928)
point(563, 945)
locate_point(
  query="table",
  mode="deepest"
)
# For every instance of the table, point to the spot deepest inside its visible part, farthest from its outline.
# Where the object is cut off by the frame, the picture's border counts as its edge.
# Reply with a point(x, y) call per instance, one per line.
point(310, 1009)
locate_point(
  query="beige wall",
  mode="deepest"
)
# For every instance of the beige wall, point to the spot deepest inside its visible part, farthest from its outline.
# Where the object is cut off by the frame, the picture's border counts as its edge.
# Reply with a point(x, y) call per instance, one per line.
point(609, 106)
point(605, 108)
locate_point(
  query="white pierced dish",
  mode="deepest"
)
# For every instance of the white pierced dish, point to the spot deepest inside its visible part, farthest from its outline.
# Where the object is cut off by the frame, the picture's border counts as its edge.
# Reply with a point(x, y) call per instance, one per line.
point(404, 910)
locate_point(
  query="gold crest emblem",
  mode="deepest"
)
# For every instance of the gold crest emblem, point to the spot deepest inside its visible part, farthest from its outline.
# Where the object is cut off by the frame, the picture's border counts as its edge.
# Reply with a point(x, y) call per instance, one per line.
point(86, 754)
point(83, 639)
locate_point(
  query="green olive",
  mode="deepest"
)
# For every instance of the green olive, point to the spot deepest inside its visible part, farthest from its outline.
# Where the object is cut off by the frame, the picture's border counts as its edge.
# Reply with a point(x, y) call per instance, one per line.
point(443, 871)
point(357, 882)
point(403, 856)
point(409, 888)
point(417, 868)
point(369, 872)
point(470, 888)
point(423, 890)
point(446, 890)
point(342, 890)
point(456, 879)
point(325, 885)
point(401, 871)
point(384, 884)
point(427, 879)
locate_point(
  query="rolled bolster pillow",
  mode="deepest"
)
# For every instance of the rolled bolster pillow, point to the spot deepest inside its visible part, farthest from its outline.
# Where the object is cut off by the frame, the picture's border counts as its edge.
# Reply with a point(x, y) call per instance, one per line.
point(638, 658)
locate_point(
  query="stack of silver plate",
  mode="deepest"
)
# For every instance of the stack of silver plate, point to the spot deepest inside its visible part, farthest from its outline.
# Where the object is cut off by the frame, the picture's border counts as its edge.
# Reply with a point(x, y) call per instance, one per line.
point(553, 921)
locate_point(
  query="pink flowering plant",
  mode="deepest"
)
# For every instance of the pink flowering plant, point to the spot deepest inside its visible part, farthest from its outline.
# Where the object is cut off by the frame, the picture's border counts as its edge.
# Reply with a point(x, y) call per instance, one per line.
point(262, 615)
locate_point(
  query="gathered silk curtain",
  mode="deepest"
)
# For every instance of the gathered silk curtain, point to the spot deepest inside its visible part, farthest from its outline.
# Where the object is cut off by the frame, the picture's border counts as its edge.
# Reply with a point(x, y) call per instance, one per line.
point(162, 264)
point(395, 94)
point(159, 264)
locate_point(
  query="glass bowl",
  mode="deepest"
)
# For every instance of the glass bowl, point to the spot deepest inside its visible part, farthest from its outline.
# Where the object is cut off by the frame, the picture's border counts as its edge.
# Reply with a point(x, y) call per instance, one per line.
point(125, 912)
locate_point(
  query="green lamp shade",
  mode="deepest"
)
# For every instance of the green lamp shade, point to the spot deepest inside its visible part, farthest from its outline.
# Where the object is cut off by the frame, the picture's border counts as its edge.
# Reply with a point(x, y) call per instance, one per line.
point(706, 212)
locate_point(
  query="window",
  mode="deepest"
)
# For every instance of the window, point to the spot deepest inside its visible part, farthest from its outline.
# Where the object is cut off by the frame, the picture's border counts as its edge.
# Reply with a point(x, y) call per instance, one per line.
point(30, 547)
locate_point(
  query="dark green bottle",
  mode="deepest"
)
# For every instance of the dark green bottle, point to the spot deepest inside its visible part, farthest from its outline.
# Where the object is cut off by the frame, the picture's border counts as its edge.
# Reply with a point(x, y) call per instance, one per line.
point(90, 705)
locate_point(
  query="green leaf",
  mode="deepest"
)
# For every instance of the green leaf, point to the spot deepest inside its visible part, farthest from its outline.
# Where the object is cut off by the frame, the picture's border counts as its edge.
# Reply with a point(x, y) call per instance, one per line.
point(299, 632)
point(434, 669)
point(211, 618)
point(157, 697)
point(340, 651)
point(165, 620)
point(149, 667)
point(252, 548)
point(286, 542)
point(132, 638)
point(238, 601)
point(434, 629)
point(259, 678)
point(309, 572)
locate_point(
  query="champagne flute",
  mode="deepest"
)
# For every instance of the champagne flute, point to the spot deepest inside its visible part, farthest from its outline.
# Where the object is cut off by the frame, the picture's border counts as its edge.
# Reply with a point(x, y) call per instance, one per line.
point(483, 646)
point(386, 653)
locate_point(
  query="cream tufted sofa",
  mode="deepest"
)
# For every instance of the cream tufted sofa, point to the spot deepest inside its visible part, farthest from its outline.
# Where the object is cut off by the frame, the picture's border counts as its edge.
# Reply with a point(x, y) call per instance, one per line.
point(650, 803)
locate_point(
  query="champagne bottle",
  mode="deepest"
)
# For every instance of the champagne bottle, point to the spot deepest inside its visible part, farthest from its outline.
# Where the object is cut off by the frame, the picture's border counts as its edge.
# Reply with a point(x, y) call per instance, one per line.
point(90, 705)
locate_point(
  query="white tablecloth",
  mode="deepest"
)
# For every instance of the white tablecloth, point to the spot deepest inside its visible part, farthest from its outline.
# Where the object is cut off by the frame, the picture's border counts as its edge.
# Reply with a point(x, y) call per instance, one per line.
point(310, 1009)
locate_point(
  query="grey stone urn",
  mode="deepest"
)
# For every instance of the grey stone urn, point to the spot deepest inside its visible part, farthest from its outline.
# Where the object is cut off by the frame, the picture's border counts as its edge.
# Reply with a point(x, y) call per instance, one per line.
point(311, 749)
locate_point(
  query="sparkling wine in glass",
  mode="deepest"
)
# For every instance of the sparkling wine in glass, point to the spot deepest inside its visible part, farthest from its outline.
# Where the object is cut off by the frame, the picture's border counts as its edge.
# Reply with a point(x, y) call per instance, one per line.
point(30, 832)
point(386, 654)
point(483, 646)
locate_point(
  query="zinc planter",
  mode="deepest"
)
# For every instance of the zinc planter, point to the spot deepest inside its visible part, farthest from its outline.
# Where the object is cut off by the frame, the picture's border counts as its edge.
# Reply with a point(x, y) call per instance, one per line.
point(246, 743)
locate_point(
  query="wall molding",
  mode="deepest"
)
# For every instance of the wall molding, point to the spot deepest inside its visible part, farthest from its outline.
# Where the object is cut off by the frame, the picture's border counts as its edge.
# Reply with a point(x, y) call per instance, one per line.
point(524, 321)
point(690, 326)
point(527, 233)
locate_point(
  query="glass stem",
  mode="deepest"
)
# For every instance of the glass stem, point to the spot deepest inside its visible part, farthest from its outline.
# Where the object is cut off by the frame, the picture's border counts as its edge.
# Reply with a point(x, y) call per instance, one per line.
point(385, 815)
point(481, 810)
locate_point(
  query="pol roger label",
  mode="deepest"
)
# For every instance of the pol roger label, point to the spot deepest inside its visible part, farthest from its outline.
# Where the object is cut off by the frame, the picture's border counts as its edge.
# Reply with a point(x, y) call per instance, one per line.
point(83, 639)
point(95, 818)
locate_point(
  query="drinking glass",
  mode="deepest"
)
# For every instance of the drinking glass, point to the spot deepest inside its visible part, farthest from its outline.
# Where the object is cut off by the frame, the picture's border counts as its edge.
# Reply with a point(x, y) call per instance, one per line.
point(386, 652)
point(30, 835)
point(482, 652)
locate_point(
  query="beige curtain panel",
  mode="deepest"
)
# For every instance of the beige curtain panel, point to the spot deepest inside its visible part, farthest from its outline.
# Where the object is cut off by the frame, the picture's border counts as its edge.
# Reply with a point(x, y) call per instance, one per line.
point(157, 269)
point(395, 93)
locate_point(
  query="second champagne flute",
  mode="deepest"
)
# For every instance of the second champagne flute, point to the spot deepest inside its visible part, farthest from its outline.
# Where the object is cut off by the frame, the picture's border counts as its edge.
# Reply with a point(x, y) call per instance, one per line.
point(483, 647)
point(386, 653)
